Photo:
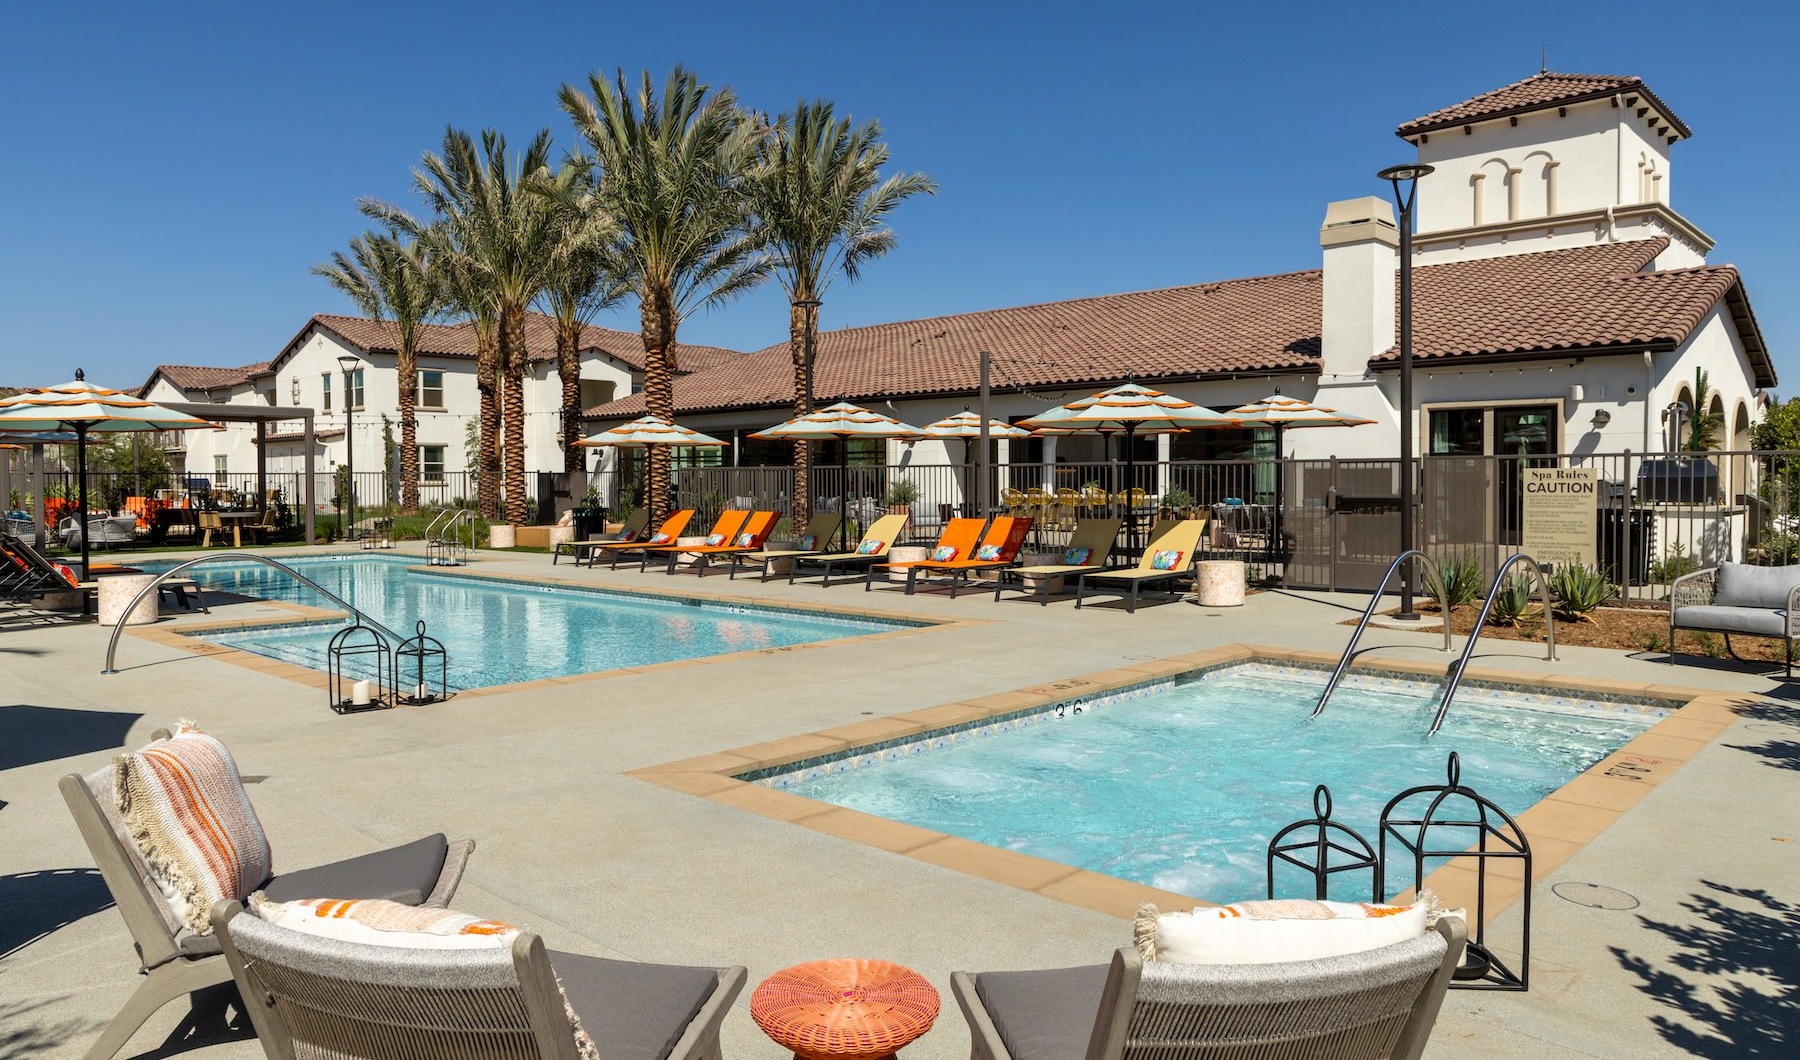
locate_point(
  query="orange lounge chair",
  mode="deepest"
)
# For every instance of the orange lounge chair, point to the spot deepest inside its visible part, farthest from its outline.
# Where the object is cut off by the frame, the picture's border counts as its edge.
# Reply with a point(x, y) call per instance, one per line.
point(873, 548)
point(999, 548)
point(729, 522)
point(749, 538)
point(665, 535)
point(957, 540)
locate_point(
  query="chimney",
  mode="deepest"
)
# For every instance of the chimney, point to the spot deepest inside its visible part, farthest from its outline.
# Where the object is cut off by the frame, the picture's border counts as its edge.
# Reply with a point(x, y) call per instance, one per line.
point(1361, 244)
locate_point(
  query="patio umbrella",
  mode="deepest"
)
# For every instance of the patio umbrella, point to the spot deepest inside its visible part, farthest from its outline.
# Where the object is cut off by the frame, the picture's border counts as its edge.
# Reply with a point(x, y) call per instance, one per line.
point(967, 426)
point(647, 432)
point(842, 421)
point(1132, 410)
point(1284, 413)
point(83, 408)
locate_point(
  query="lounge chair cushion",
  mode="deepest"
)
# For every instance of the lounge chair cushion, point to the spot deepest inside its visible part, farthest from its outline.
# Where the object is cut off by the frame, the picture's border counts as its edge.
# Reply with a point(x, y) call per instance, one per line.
point(1743, 585)
point(1167, 559)
point(406, 874)
point(1741, 619)
point(943, 553)
point(183, 804)
point(1044, 1015)
point(869, 547)
point(1269, 932)
point(1076, 557)
point(988, 553)
point(633, 1011)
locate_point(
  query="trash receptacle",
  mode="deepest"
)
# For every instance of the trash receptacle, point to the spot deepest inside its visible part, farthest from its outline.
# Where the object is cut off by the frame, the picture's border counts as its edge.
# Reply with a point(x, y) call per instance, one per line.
point(1627, 531)
point(588, 521)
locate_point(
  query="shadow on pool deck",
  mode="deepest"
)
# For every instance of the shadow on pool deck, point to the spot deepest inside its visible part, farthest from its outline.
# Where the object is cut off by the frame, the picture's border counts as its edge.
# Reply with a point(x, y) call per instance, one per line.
point(38, 903)
point(1733, 948)
point(44, 734)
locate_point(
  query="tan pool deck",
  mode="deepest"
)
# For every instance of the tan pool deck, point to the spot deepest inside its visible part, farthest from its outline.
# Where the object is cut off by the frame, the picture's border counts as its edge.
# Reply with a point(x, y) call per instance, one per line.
point(608, 819)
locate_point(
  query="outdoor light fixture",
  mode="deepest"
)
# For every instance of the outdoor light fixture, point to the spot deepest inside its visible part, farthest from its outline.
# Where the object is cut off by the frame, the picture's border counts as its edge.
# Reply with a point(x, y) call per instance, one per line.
point(1602, 417)
point(349, 364)
point(1405, 181)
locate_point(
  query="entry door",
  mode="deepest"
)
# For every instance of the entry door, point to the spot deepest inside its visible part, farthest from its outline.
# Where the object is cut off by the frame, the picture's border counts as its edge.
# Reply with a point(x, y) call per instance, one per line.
point(1523, 436)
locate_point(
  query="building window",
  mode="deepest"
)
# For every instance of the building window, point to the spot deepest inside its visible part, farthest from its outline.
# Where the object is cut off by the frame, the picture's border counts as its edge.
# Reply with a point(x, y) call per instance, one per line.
point(431, 389)
point(325, 385)
point(355, 396)
point(219, 460)
point(431, 463)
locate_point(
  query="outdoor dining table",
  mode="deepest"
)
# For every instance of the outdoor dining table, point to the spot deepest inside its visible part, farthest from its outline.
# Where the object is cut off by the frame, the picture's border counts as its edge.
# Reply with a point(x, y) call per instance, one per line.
point(237, 521)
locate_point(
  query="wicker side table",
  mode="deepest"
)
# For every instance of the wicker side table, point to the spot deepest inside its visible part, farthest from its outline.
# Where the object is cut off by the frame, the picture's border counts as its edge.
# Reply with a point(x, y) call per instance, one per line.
point(844, 1009)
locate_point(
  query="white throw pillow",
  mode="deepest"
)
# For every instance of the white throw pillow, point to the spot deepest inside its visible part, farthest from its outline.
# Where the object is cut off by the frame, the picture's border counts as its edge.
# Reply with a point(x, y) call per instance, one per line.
point(1269, 932)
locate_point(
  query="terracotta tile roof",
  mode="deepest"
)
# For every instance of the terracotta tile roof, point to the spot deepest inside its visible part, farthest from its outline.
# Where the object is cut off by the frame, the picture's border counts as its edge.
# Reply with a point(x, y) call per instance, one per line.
point(1591, 298)
point(458, 340)
point(196, 377)
point(1535, 93)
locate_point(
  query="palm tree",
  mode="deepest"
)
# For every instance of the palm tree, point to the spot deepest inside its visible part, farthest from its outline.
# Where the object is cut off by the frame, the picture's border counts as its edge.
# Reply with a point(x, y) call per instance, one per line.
point(583, 278)
point(466, 294)
point(1704, 425)
point(821, 207)
point(671, 173)
point(392, 281)
point(503, 235)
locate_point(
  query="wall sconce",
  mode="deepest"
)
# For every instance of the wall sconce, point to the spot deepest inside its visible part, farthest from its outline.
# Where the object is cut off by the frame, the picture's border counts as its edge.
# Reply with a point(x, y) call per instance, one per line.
point(1601, 418)
point(1576, 393)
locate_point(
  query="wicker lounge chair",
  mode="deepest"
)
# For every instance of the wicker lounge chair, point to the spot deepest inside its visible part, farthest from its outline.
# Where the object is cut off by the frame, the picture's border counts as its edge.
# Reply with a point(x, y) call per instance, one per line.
point(670, 529)
point(1378, 1004)
point(323, 998)
point(632, 529)
point(725, 527)
point(1095, 537)
point(749, 537)
point(174, 960)
point(821, 528)
point(1183, 537)
point(960, 536)
point(877, 540)
point(1006, 534)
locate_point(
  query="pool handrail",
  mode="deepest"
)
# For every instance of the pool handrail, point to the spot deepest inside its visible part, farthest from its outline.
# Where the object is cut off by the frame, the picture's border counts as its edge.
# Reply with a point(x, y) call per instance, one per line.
point(1369, 613)
point(113, 643)
point(1456, 672)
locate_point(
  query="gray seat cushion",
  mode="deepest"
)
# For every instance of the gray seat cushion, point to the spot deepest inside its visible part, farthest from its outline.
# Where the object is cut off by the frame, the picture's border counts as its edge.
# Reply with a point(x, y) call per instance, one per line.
point(633, 1011)
point(405, 874)
point(1742, 585)
point(1043, 1015)
point(1755, 620)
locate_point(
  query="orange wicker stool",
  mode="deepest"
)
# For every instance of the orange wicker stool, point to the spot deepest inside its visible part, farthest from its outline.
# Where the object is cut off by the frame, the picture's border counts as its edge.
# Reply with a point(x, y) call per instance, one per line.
point(844, 1009)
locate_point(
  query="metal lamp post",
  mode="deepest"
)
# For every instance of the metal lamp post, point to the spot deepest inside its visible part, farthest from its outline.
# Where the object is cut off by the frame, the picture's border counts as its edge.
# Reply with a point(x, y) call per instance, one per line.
point(1405, 181)
point(349, 364)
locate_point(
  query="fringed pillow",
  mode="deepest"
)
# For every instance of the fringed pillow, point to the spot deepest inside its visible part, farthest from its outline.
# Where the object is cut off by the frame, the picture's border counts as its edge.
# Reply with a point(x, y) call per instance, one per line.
point(1270, 932)
point(184, 807)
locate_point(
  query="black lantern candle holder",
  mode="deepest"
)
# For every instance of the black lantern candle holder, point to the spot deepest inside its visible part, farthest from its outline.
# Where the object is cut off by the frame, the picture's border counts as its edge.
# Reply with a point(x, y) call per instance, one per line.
point(1323, 847)
point(361, 670)
point(1457, 823)
point(421, 663)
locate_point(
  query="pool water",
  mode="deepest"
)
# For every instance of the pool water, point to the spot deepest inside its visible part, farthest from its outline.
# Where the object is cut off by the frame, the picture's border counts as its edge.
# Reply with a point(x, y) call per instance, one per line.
point(1182, 785)
point(500, 632)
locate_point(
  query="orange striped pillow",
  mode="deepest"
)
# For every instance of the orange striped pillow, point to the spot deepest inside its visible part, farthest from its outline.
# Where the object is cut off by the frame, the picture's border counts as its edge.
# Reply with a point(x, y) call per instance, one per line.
point(183, 805)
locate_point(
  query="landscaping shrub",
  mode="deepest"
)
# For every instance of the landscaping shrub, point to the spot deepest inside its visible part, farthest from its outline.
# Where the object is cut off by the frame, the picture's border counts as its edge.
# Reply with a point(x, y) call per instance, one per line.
point(1673, 565)
point(1579, 589)
point(1459, 581)
point(1513, 602)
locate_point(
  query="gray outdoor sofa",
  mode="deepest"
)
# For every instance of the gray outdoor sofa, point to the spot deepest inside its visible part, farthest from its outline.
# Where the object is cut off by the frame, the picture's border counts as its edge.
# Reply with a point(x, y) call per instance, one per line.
point(1738, 598)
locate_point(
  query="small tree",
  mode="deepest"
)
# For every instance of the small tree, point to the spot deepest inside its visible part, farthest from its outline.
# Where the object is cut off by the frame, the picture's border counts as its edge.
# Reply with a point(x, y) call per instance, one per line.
point(1704, 426)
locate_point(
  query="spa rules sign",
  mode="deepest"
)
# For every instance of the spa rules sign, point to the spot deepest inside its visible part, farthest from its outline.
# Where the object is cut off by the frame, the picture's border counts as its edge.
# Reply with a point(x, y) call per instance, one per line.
point(1557, 523)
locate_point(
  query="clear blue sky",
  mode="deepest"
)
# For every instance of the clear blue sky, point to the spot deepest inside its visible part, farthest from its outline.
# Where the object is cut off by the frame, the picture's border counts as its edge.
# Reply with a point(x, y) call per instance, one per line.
point(172, 172)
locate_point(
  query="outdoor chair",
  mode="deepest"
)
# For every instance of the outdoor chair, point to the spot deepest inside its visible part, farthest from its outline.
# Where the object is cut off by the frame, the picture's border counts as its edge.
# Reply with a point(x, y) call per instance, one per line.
point(670, 529)
point(1089, 545)
point(325, 999)
point(263, 532)
point(176, 961)
point(958, 539)
point(725, 527)
point(103, 531)
point(820, 529)
point(749, 537)
point(1377, 1004)
point(1004, 538)
point(632, 529)
point(209, 524)
point(45, 577)
point(1175, 546)
point(873, 548)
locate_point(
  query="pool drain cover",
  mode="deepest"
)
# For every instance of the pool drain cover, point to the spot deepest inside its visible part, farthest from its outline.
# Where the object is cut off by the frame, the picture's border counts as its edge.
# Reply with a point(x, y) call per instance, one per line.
point(1594, 896)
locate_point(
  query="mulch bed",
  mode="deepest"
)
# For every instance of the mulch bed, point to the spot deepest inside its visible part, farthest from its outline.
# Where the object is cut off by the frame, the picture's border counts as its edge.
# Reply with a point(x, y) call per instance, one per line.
point(1629, 629)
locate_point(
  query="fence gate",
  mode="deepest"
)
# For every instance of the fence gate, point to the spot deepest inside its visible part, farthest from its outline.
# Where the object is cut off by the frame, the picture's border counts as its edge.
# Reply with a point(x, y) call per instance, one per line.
point(1344, 529)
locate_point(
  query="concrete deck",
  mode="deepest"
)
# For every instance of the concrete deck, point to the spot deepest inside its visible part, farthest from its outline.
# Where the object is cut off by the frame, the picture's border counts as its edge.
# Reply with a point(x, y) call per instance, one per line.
point(601, 861)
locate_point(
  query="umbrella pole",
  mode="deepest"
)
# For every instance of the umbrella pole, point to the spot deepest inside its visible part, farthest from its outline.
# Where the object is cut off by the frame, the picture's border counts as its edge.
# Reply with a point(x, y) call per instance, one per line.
point(1130, 509)
point(1280, 481)
point(81, 496)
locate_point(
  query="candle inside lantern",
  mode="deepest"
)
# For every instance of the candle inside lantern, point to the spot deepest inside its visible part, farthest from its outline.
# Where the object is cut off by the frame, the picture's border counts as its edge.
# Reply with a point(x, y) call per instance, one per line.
point(420, 696)
point(359, 694)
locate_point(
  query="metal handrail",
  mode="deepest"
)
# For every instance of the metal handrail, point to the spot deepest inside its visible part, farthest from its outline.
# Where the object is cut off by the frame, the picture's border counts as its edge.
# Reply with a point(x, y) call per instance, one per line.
point(1369, 612)
point(439, 534)
point(113, 644)
point(1487, 605)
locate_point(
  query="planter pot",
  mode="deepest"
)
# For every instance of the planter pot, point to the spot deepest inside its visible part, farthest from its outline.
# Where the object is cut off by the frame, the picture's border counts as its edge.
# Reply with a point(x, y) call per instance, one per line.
point(1219, 582)
point(116, 591)
point(560, 535)
point(905, 554)
point(500, 535)
point(1044, 584)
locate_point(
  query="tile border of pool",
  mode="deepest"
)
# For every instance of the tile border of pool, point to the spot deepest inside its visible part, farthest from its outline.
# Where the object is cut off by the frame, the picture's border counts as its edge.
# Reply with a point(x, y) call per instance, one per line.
point(188, 635)
point(1558, 825)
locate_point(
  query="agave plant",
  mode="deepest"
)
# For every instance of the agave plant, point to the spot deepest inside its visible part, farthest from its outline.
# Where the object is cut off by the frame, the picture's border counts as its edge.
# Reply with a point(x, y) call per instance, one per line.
point(1513, 602)
point(1579, 589)
point(1458, 581)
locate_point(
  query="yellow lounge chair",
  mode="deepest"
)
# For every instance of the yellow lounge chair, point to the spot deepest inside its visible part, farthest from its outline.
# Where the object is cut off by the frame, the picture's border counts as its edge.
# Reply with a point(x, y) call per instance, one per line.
point(873, 548)
point(1086, 553)
point(1168, 556)
point(820, 529)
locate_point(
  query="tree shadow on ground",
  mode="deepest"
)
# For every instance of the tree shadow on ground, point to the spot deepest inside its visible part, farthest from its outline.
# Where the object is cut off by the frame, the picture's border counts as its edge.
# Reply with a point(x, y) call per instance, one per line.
point(1781, 720)
point(1743, 946)
point(38, 903)
point(44, 734)
point(21, 1036)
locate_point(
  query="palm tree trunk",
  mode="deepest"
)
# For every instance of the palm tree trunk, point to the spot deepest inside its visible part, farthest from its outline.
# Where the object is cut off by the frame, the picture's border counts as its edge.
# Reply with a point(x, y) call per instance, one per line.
point(568, 367)
point(800, 319)
point(487, 470)
point(658, 329)
point(408, 372)
point(512, 404)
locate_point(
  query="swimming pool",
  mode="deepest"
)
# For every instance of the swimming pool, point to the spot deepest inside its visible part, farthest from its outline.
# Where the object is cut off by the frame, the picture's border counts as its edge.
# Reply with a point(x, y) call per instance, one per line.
point(1180, 784)
point(498, 631)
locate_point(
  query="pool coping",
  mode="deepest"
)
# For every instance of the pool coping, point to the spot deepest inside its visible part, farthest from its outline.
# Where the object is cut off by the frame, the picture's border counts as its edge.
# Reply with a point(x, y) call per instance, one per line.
point(187, 635)
point(1557, 826)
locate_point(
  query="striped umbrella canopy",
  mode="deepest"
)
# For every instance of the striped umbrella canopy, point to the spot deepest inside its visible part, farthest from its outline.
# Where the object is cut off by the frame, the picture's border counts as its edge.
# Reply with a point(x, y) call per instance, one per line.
point(1284, 413)
point(646, 431)
point(967, 424)
point(1130, 408)
point(84, 408)
point(842, 420)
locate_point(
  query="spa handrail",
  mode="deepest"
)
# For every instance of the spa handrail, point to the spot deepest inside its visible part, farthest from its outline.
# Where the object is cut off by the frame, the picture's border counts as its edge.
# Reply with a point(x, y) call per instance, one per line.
point(131, 608)
point(1343, 664)
point(1487, 605)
